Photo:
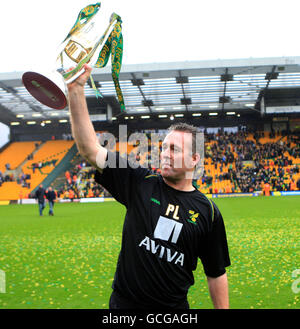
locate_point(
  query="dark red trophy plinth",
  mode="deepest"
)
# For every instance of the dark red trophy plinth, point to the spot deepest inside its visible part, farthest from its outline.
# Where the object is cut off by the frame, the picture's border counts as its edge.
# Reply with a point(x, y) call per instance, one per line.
point(45, 90)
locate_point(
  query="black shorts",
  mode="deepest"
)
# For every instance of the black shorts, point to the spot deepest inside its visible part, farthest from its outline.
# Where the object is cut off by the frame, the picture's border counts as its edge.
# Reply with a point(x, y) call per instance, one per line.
point(119, 302)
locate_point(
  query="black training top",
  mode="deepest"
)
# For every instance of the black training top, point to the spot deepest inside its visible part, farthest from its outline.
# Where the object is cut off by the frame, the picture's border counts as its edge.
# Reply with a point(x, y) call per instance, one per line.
point(165, 232)
point(39, 194)
point(50, 195)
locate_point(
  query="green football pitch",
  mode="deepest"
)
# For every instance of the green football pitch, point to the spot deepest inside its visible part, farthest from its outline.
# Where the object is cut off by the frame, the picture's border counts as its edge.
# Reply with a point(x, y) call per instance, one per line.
point(69, 260)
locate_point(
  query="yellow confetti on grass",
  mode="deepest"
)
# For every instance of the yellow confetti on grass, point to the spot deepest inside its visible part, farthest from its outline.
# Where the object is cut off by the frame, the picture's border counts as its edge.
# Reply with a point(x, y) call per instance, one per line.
point(73, 256)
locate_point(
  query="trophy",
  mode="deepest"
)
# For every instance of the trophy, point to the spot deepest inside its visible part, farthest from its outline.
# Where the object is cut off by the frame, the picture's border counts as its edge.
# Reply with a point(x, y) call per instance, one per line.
point(91, 40)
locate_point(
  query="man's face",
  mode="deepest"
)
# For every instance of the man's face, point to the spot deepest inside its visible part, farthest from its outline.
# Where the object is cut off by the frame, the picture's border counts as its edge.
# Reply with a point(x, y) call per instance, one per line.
point(177, 161)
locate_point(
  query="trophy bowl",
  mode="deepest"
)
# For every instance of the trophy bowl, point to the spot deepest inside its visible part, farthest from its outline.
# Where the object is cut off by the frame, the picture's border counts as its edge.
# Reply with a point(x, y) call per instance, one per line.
point(92, 39)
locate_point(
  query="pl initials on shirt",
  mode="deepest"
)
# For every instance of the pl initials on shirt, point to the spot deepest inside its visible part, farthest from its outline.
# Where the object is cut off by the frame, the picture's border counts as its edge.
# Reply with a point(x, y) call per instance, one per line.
point(166, 229)
point(173, 209)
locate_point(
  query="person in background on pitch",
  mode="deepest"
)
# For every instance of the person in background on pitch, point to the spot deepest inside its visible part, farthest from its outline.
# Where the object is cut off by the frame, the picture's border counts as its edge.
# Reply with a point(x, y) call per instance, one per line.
point(51, 196)
point(40, 196)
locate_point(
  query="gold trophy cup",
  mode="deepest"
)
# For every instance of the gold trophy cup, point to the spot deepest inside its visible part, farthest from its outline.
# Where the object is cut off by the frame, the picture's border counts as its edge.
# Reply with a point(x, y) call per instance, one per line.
point(91, 34)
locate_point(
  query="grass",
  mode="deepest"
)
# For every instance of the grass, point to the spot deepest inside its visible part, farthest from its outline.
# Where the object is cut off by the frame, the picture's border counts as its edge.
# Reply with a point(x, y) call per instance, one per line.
point(69, 260)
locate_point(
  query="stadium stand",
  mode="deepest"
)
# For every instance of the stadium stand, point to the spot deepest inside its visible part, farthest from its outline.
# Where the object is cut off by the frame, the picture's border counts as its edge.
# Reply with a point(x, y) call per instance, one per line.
point(16, 153)
point(234, 163)
point(245, 163)
point(241, 162)
point(36, 166)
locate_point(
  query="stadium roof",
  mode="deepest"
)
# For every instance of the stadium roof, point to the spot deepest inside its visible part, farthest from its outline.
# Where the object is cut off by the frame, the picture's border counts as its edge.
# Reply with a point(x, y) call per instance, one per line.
point(158, 88)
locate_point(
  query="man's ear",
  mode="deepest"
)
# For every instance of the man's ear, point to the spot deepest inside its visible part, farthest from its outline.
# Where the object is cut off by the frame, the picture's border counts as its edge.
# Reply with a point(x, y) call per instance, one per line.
point(196, 158)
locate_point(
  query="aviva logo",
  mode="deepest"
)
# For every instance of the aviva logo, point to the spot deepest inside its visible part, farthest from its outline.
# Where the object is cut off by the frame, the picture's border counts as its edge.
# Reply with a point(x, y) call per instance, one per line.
point(167, 228)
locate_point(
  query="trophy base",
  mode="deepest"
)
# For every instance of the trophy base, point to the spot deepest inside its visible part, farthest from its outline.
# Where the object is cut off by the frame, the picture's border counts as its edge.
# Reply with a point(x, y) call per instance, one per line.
point(45, 90)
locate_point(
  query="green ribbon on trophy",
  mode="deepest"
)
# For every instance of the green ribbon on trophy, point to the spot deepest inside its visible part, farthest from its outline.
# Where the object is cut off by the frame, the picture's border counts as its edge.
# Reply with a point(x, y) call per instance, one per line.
point(113, 47)
point(83, 17)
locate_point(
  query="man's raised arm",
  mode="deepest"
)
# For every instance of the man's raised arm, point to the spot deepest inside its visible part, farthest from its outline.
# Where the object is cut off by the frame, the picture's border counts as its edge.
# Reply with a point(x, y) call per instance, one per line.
point(82, 128)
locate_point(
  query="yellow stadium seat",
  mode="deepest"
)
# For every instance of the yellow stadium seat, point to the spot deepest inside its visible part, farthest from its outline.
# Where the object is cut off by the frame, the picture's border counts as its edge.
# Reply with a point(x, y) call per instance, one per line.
point(51, 150)
point(15, 154)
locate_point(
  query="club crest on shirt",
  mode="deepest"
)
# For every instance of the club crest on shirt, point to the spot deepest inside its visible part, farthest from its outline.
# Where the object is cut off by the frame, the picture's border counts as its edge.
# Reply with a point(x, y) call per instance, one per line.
point(193, 217)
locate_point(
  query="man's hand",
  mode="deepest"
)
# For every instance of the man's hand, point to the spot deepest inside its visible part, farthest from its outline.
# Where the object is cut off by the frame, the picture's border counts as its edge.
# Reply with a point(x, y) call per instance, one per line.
point(81, 80)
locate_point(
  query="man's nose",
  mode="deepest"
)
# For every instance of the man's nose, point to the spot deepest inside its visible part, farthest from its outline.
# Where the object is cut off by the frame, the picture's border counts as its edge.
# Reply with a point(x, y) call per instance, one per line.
point(165, 154)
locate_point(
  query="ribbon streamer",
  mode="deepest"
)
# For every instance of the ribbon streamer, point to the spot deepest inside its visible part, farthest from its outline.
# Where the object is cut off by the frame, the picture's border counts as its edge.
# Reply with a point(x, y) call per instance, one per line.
point(83, 17)
point(114, 47)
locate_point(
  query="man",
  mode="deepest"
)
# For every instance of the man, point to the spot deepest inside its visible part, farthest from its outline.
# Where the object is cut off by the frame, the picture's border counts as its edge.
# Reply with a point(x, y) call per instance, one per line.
point(267, 188)
point(168, 225)
point(40, 196)
point(292, 185)
point(51, 196)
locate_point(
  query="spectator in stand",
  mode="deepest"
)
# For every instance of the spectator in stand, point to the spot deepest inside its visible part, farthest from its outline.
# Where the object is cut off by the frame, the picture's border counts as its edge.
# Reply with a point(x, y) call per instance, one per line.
point(67, 175)
point(71, 195)
point(293, 186)
point(298, 184)
point(267, 189)
point(90, 193)
point(66, 194)
point(97, 193)
point(74, 178)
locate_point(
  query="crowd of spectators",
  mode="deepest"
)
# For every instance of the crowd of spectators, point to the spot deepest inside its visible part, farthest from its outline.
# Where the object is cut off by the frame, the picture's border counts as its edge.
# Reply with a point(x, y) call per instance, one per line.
point(244, 162)
point(270, 163)
point(269, 168)
point(41, 164)
point(5, 178)
point(80, 183)
point(22, 179)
